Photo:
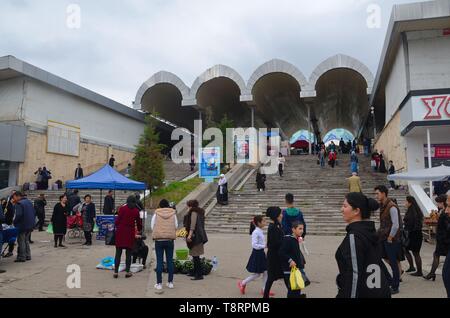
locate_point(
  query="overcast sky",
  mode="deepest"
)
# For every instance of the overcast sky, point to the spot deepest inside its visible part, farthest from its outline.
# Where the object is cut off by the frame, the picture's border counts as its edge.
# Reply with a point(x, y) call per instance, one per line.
point(120, 44)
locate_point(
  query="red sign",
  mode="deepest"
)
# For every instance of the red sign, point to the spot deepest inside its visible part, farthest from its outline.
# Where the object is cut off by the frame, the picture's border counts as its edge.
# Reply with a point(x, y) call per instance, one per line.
point(442, 151)
point(446, 32)
point(438, 107)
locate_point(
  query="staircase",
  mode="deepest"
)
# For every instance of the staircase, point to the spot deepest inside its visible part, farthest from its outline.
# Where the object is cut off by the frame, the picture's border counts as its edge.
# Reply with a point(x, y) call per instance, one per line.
point(319, 194)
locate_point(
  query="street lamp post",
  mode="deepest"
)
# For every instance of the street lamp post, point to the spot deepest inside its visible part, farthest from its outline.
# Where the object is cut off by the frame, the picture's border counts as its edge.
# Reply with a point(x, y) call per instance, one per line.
point(372, 111)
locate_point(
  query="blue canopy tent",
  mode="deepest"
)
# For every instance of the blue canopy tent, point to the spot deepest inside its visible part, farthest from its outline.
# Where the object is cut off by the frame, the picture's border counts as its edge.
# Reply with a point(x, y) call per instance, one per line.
point(107, 178)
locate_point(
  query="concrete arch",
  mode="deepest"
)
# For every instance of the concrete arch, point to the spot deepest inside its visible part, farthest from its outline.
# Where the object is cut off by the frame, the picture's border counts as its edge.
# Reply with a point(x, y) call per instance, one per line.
point(162, 77)
point(277, 66)
point(342, 61)
point(216, 72)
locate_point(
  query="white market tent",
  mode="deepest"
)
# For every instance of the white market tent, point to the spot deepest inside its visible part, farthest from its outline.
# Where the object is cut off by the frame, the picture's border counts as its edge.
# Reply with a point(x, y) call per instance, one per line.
point(440, 173)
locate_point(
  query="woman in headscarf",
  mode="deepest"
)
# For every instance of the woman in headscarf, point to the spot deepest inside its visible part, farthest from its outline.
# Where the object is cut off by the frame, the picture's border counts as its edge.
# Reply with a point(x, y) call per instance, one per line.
point(222, 190)
point(274, 239)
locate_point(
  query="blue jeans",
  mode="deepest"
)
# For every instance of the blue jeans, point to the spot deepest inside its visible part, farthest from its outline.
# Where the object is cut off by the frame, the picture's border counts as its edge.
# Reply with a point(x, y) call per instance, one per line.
point(446, 274)
point(392, 251)
point(322, 162)
point(162, 247)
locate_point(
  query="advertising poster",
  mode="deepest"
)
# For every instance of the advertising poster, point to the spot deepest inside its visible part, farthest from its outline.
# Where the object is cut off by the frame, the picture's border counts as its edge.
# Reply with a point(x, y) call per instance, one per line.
point(209, 163)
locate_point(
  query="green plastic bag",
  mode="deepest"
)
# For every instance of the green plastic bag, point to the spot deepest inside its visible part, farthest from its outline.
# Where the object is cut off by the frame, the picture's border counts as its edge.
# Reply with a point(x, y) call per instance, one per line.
point(95, 230)
point(50, 228)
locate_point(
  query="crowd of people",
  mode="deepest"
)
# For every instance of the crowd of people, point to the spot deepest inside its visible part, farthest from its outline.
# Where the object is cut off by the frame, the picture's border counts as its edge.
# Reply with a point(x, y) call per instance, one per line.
point(364, 251)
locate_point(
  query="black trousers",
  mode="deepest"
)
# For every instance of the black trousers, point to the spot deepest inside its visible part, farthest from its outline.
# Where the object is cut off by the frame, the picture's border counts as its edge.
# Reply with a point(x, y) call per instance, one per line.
point(88, 237)
point(197, 267)
point(119, 257)
point(280, 170)
point(58, 239)
point(41, 221)
point(291, 293)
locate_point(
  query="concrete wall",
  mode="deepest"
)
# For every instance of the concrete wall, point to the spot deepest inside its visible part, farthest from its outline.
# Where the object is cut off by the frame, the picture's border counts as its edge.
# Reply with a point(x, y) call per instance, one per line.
point(429, 58)
point(43, 103)
point(11, 92)
point(396, 84)
point(393, 145)
point(92, 157)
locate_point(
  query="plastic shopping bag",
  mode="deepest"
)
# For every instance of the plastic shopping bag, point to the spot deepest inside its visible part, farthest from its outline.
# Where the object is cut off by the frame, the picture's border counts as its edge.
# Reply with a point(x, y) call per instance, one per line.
point(296, 279)
point(95, 230)
point(50, 228)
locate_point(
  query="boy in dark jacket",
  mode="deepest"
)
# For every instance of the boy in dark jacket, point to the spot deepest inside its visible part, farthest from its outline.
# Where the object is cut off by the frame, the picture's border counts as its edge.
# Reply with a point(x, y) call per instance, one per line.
point(291, 255)
point(291, 214)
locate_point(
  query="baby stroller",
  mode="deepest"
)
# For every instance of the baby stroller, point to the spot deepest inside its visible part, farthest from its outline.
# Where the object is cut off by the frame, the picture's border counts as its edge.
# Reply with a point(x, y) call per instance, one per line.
point(9, 238)
point(75, 227)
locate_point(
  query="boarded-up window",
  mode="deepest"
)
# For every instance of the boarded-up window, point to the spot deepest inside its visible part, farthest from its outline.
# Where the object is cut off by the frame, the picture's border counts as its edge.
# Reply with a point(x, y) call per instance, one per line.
point(63, 139)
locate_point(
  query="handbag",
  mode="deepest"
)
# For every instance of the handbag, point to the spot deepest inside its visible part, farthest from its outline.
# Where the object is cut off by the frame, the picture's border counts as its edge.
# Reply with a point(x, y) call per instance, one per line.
point(110, 238)
point(296, 279)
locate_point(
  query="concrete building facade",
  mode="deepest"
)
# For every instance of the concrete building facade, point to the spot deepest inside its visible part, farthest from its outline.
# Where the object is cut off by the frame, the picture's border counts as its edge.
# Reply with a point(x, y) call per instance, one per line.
point(411, 95)
point(46, 120)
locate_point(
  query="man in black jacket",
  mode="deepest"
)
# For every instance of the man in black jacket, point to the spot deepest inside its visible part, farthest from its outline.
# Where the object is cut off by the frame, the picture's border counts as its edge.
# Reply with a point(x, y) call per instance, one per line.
point(79, 172)
point(108, 206)
point(39, 207)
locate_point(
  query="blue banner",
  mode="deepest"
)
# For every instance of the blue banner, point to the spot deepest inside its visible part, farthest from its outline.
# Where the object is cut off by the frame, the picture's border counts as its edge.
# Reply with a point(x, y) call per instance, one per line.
point(104, 222)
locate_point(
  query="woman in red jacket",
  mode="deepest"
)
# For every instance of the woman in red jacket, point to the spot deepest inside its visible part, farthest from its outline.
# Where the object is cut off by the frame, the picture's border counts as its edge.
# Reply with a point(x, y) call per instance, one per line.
point(126, 222)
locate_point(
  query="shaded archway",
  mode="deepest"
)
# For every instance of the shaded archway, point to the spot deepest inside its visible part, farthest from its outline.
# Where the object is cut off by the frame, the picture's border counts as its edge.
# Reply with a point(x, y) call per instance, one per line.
point(220, 96)
point(164, 99)
point(278, 103)
point(341, 101)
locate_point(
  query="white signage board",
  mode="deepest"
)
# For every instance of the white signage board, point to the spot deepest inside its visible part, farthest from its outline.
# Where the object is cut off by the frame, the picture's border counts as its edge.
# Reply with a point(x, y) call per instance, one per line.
point(63, 139)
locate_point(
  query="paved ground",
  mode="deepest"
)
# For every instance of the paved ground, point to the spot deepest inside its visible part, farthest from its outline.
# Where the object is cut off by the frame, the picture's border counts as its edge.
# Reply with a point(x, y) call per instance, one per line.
point(45, 275)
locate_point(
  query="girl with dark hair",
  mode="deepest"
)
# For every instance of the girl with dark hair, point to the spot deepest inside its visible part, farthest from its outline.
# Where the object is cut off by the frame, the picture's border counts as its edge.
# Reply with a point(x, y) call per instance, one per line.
point(275, 236)
point(127, 221)
point(442, 236)
point(59, 220)
point(413, 224)
point(257, 264)
point(358, 256)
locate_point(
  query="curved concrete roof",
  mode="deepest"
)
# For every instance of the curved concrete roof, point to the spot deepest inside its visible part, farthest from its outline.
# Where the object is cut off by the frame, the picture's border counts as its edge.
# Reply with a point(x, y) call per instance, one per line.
point(216, 72)
point(162, 77)
point(277, 66)
point(308, 87)
point(342, 61)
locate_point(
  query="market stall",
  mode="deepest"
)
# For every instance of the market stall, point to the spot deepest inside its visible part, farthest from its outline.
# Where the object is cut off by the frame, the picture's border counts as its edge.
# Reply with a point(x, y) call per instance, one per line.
point(107, 178)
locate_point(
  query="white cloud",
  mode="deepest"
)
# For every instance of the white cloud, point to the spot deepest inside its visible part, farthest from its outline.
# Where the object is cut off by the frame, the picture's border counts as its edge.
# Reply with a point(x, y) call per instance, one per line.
point(121, 44)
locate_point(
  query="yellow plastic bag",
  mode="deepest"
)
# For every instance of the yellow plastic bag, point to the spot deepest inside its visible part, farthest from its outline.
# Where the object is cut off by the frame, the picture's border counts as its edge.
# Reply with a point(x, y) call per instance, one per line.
point(296, 279)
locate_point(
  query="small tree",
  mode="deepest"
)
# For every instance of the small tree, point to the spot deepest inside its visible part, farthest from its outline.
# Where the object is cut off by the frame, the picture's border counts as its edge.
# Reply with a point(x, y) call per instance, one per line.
point(149, 161)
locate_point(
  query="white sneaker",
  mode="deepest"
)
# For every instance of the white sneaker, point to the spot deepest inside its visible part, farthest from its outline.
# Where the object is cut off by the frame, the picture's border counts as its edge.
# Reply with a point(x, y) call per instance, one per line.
point(170, 285)
point(158, 288)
